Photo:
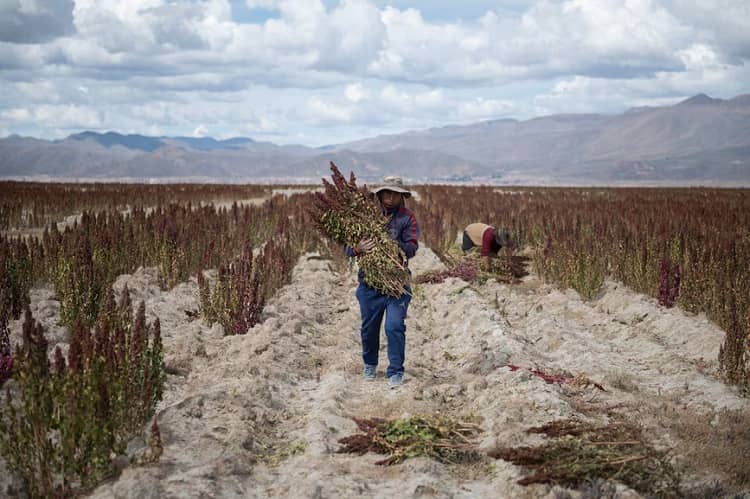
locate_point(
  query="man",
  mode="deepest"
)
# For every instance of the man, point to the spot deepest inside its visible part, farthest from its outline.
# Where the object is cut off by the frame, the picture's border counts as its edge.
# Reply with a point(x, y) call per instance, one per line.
point(489, 239)
point(402, 227)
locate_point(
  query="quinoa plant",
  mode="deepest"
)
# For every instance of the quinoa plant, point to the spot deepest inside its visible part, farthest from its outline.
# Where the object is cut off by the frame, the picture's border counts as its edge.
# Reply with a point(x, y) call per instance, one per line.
point(26, 424)
point(37, 204)
point(669, 283)
point(734, 358)
point(78, 282)
point(16, 275)
point(242, 288)
point(6, 355)
point(622, 234)
point(348, 214)
point(686, 247)
point(442, 438)
point(61, 427)
point(6, 358)
point(575, 452)
point(588, 276)
point(236, 301)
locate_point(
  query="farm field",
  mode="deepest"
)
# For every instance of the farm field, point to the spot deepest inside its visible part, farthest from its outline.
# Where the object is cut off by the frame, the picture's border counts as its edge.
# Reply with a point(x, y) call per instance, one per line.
point(620, 309)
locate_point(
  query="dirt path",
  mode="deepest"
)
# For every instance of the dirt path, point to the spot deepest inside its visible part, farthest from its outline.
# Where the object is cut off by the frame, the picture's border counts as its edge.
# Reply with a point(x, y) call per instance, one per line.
point(260, 415)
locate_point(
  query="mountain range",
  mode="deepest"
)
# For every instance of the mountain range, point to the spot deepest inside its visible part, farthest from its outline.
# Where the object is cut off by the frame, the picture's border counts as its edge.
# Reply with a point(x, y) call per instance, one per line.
point(699, 141)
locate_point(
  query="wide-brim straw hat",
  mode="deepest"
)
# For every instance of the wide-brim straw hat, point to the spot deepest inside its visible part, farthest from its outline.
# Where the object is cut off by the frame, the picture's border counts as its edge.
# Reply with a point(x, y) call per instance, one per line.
point(394, 184)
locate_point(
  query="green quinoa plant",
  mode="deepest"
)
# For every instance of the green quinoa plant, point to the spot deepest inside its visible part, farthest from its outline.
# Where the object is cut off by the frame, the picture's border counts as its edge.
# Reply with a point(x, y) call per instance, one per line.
point(623, 234)
point(16, 275)
point(62, 424)
point(26, 424)
point(347, 214)
point(588, 276)
point(576, 453)
point(78, 282)
point(442, 438)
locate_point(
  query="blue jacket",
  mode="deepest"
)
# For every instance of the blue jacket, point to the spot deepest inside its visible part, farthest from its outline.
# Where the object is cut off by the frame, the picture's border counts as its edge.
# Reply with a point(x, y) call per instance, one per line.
point(403, 228)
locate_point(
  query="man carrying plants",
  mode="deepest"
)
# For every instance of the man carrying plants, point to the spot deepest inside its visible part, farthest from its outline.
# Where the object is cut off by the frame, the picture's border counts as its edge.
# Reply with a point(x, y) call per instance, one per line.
point(403, 229)
point(486, 237)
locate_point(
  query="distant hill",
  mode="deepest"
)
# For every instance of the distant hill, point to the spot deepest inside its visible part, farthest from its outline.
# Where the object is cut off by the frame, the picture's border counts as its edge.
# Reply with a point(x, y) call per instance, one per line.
point(713, 133)
point(110, 139)
point(150, 144)
point(701, 140)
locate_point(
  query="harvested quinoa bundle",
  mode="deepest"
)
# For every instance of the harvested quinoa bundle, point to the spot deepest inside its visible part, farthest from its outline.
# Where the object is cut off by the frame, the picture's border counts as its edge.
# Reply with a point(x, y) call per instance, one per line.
point(466, 269)
point(347, 214)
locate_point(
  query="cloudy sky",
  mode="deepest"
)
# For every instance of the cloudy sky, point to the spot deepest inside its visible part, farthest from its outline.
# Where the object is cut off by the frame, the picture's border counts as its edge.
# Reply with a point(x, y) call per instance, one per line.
point(320, 72)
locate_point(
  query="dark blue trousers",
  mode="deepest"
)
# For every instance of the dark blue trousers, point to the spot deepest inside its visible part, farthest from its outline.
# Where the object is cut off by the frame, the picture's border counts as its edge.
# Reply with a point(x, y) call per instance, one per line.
point(372, 305)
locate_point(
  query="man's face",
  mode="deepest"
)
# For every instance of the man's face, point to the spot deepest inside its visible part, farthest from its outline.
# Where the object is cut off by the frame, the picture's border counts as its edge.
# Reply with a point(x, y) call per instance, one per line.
point(390, 199)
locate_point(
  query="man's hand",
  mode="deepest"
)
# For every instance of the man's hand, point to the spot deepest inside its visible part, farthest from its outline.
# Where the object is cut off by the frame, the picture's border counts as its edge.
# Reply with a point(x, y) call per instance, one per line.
point(364, 246)
point(486, 263)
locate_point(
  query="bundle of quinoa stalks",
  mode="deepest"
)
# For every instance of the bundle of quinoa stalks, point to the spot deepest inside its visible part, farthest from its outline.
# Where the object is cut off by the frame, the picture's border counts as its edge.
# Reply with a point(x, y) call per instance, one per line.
point(348, 214)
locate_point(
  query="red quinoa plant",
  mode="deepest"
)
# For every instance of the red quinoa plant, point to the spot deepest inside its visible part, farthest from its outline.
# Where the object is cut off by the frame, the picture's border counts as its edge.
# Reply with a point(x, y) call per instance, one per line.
point(581, 236)
point(16, 275)
point(6, 357)
point(242, 288)
point(684, 247)
point(235, 301)
point(62, 425)
point(37, 204)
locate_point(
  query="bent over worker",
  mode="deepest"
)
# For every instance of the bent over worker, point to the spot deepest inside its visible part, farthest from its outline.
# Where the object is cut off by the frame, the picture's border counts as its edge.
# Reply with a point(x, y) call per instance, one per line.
point(403, 229)
point(487, 238)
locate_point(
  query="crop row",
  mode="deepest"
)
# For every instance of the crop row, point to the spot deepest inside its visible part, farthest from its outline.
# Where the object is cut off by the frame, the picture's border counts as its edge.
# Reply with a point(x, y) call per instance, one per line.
point(685, 247)
point(36, 204)
point(62, 421)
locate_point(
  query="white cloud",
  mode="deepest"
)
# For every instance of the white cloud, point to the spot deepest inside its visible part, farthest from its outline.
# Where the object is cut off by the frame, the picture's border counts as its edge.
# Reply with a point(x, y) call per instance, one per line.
point(591, 95)
point(35, 21)
point(83, 53)
point(16, 114)
point(473, 43)
point(200, 131)
point(698, 56)
point(429, 99)
point(263, 4)
point(391, 96)
point(68, 116)
point(16, 56)
point(39, 91)
point(360, 65)
point(54, 116)
point(32, 7)
point(588, 37)
point(355, 92)
point(326, 112)
point(114, 26)
point(354, 35)
point(725, 25)
point(481, 108)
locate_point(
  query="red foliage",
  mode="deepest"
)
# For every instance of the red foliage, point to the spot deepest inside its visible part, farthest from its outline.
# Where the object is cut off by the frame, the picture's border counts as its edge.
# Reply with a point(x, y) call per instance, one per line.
point(552, 378)
point(6, 368)
point(669, 283)
point(464, 269)
point(6, 356)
